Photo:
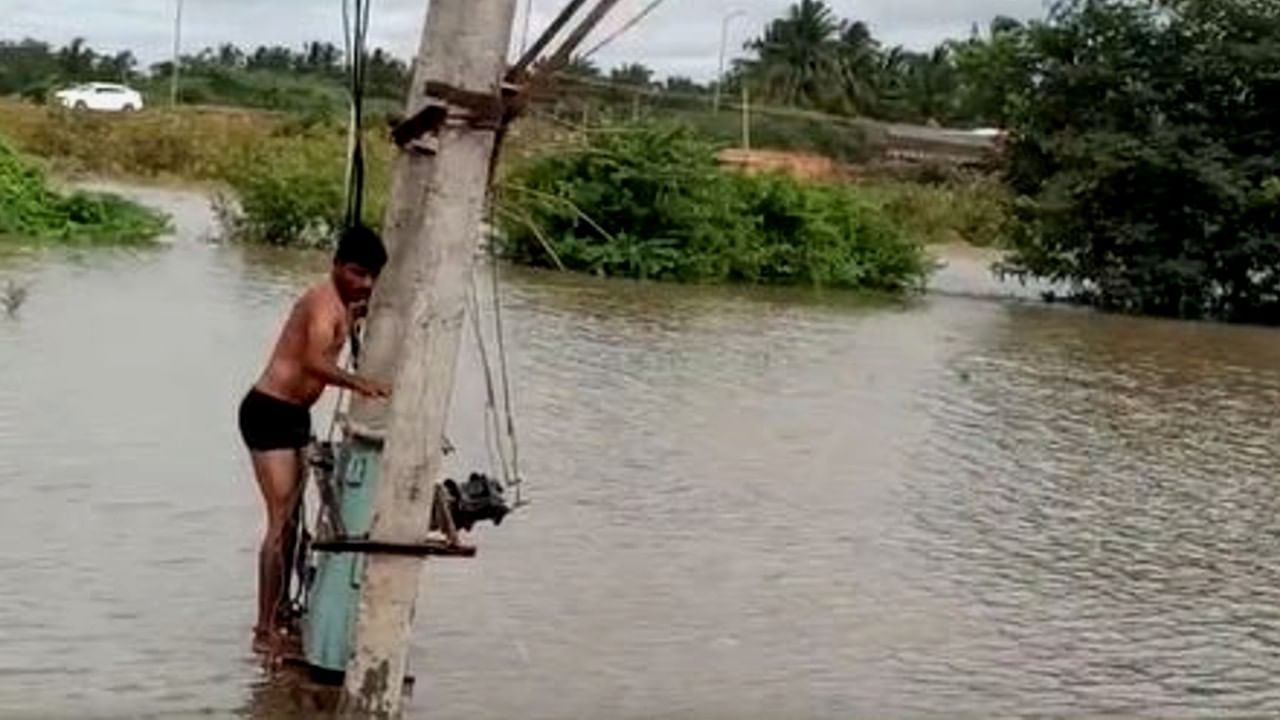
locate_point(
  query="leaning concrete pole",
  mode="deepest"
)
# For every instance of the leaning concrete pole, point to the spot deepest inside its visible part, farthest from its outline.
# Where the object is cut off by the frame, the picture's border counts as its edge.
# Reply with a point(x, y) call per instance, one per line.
point(416, 320)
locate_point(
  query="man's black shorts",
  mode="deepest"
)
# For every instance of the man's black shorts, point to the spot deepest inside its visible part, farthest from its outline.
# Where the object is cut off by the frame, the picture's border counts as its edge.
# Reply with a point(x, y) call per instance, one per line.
point(268, 423)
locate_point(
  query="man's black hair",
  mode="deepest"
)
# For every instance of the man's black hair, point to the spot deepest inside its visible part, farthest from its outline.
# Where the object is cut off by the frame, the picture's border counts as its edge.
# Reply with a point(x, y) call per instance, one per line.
point(359, 245)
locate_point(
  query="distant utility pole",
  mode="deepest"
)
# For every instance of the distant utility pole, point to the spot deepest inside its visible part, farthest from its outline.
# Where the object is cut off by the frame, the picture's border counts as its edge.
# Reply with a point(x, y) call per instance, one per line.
point(177, 54)
point(438, 195)
point(746, 118)
point(724, 47)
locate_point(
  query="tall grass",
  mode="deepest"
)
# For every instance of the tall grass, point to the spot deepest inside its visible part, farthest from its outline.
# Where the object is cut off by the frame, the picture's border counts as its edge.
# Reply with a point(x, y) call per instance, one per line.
point(192, 144)
point(974, 210)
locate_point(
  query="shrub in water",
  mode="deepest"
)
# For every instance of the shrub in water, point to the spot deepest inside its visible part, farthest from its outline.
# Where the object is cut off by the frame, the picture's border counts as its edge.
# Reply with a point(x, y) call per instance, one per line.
point(285, 196)
point(30, 210)
point(290, 191)
point(649, 201)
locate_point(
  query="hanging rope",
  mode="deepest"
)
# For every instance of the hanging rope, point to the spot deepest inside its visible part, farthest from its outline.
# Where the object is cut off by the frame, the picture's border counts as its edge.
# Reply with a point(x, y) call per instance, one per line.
point(492, 430)
point(509, 414)
point(501, 437)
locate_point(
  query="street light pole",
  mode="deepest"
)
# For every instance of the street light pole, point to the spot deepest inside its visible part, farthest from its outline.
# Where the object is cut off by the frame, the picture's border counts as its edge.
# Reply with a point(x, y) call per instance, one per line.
point(724, 43)
point(177, 51)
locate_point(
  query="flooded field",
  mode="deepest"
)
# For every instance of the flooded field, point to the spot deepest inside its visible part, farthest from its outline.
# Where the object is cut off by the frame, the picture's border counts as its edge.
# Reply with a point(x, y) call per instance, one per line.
point(746, 504)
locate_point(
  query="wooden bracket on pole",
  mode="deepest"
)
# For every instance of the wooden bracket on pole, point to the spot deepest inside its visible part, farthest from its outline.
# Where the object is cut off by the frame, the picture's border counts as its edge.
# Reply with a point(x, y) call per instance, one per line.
point(426, 548)
point(482, 111)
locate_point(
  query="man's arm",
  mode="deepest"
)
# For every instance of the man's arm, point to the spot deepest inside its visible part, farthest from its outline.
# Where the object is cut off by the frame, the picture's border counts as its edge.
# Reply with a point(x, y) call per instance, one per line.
point(322, 333)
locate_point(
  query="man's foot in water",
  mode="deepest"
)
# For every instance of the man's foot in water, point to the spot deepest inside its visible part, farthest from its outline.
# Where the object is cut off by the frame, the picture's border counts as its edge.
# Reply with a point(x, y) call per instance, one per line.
point(282, 640)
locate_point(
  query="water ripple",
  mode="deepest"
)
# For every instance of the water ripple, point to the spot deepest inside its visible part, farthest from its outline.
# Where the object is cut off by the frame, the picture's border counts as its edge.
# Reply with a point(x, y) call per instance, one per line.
point(746, 504)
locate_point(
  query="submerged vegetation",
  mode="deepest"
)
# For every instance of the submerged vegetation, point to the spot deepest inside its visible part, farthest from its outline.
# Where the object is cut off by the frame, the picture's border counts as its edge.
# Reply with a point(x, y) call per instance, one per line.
point(1140, 166)
point(279, 177)
point(32, 211)
point(290, 190)
point(649, 201)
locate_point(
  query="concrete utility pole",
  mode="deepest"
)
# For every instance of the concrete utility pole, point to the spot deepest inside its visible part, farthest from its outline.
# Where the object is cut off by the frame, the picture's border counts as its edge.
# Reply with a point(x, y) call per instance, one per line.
point(177, 55)
point(416, 320)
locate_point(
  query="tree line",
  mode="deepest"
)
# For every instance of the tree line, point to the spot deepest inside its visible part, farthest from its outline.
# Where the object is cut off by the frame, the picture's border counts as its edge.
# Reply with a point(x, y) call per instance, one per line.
point(808, 58)
point(270, 76)
point(811, 58)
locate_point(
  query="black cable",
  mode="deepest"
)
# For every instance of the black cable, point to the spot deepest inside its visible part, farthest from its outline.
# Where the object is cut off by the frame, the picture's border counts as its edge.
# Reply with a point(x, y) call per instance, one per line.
point(355, 24)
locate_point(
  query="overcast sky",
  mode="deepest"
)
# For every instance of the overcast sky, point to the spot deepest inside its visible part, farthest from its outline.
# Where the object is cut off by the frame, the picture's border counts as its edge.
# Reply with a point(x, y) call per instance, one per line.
point(682, 37)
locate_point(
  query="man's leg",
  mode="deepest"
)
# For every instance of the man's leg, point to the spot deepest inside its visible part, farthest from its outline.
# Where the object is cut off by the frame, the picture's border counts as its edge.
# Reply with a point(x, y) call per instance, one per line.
point(294, 555)
point(278, 473)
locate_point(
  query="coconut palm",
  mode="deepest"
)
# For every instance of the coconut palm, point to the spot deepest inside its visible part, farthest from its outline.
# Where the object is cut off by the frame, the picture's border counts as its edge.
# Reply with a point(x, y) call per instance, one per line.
point(798, 58)
point(860, 75)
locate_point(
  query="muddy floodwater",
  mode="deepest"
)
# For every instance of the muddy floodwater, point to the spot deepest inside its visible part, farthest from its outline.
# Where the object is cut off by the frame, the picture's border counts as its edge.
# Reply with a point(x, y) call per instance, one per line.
point(746, 504)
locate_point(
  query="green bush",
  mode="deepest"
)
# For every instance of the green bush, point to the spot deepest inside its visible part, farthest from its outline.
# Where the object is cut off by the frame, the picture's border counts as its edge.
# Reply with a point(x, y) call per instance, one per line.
point(287, 194)
point(291, 190)
point(31, 210)
point(282, 176)
point(649, 201)
point(1146, 155)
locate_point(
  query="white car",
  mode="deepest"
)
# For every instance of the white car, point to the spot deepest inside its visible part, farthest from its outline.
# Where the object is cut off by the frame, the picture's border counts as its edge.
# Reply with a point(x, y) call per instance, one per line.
point(108, 97)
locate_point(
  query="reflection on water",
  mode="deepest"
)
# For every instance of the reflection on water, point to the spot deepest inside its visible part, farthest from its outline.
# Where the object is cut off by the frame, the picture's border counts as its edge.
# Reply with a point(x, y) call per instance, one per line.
point(746, 504)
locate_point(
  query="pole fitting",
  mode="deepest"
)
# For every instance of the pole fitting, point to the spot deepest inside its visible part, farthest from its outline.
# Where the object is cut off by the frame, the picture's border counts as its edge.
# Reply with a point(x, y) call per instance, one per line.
point(447, 104)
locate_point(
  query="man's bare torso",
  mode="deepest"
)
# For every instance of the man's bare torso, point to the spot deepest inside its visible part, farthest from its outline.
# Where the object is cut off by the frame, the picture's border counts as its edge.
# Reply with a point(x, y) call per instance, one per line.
point(319, 317)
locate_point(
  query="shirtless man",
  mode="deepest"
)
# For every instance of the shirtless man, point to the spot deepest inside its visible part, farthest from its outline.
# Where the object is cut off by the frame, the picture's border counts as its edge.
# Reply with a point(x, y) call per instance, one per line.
point(275, 416)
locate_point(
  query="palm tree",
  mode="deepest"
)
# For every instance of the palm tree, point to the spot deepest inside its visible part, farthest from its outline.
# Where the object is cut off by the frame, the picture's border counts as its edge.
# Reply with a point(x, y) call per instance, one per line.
point(275, 57)
point(632, 74)
point(582, 67)
point(76, 60)
point(798, 57)
point(860, 76)
point(922, 86)
point(323, 57)
point(117, 67)
point(681, 85)
point(230, 56)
